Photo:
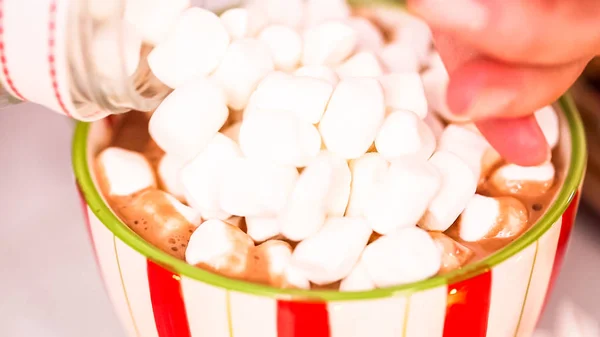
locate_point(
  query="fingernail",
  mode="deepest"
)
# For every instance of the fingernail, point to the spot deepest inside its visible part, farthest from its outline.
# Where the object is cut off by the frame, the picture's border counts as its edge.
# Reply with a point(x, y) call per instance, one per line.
point(489, 103)
point(464, 14)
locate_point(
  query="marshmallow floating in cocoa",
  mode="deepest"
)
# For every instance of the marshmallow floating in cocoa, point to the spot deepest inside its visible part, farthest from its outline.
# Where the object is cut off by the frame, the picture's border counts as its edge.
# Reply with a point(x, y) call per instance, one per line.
point(404, 256)
point(122, 172)
point(330, 254)
point(220, 247)
point(168, 170)
point(525, 181)
point(487, 217)
point(161, 220)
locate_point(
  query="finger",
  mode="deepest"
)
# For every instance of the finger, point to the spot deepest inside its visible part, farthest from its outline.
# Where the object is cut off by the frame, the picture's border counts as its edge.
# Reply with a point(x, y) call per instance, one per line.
point(484, 88)
point(519, 140)
point(520, 31)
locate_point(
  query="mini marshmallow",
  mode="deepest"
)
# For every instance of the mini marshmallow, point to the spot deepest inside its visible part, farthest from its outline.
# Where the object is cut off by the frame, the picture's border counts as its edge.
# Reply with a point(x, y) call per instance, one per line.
point(193, 48)
point(279, 137)
point(305, 212)
point(256, 188)
point(220, 247)
point(404, 91)
point(530, 181)
point(354, 115)
point(319, 11)
point(243, 22)
point(187, 120)
point(305, 97)
point(122, 172)
point(294, 279)
point(403, 133)
point(486, 217)
point(328, 43)
point(470, 146)
point(233, 131)
point(339, 192)
point(358, 279)
point(399, 58)
point(453, 254)
point(153, 19)
point(167, 171)
point(367, 172)
point(116, 51)
point(403, 195)
point(161, 220)
point(261, 229)
point(458, 186)
point(329, 255)
point(245, 63)
point(320, 72)
point(548, 122)
point(269, 262)
point(361, 64)
point(202, 177)
point(369, 37)
point(435, 82)
point(407, 255)
point(285, 45)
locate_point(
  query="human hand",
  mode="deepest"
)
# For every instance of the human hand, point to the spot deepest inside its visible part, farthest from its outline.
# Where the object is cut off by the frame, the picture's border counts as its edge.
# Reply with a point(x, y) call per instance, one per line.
point(507, 59)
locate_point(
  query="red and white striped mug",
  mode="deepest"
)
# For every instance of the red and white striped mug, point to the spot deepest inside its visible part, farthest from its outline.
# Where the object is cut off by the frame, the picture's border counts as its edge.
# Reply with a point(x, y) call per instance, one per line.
point(156, 295)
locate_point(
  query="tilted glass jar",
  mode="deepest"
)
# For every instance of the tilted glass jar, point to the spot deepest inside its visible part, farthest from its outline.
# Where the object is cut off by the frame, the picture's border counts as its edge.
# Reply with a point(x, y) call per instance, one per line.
point(47, 57)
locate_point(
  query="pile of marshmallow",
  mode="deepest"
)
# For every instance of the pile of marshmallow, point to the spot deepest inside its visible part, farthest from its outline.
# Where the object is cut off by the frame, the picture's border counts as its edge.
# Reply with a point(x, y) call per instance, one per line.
point(302, 148)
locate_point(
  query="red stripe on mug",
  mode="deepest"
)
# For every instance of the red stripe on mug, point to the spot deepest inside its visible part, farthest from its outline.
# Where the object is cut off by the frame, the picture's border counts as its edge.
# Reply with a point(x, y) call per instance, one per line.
point(467, 307)
point(51, 56)
point(3, 61)
point(568, 220)
point(301, 319)
point(167, 302)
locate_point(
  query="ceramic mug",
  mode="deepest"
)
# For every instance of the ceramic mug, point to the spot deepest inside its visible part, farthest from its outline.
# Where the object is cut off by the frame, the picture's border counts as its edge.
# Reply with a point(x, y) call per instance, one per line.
point(156, 295)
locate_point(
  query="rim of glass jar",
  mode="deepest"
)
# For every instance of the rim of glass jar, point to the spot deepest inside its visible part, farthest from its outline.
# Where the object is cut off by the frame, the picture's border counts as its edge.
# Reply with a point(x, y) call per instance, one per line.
point(571, 184)
point(93, 95)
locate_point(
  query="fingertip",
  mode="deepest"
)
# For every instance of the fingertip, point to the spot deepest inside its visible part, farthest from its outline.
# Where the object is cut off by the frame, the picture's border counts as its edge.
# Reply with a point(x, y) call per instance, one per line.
point(519, 140)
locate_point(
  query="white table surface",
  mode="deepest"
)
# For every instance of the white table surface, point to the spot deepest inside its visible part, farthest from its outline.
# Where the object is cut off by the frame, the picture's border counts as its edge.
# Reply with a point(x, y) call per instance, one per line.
point(49, 285)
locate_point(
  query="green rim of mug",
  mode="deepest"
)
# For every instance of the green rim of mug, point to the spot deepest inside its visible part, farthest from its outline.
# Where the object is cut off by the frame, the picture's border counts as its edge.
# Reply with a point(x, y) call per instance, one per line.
point(119, 229)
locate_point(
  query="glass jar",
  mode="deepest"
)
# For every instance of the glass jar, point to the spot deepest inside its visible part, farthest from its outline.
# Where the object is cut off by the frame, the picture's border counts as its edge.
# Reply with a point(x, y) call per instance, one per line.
point(48, 56)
